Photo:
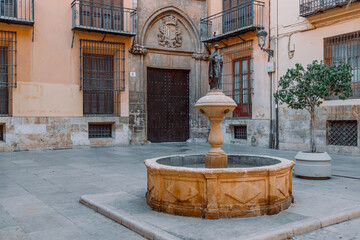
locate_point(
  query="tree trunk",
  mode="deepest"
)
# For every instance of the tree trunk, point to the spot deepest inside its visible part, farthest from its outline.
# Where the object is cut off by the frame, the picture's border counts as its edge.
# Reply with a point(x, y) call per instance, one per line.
point(312, 134)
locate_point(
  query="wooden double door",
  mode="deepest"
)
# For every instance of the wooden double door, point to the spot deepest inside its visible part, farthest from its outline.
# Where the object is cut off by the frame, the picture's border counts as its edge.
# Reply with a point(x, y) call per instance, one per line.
point(167, 105)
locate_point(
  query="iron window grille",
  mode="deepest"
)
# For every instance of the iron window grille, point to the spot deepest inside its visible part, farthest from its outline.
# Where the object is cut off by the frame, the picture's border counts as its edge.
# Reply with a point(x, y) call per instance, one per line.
point(238, 76)
point(2, 130)
point(240, 132)
point(245, 17)
point(17, 11)
point(100, 130)
point(311, 7)
point(345, 48)
point(343, 133)
point(8, 67)
point(104, 16)
point(102, 76)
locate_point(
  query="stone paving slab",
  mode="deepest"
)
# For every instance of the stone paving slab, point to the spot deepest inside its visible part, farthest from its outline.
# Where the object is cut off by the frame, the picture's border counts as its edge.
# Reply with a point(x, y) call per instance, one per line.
point(40, 191)
point(317, 204)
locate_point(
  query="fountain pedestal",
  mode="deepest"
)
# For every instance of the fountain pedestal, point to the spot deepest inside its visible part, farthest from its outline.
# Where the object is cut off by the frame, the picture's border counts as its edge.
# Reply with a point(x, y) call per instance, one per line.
point(251, 186)
point(215, 106)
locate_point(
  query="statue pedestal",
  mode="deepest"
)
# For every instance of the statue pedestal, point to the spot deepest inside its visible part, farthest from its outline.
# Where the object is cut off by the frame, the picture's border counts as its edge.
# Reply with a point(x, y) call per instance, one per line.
point(216, 157)
point(215, 105)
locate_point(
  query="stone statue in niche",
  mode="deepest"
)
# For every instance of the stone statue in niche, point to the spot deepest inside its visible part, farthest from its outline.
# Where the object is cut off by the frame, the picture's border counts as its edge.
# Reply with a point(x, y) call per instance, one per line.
point(215, 69)
point(169, 32)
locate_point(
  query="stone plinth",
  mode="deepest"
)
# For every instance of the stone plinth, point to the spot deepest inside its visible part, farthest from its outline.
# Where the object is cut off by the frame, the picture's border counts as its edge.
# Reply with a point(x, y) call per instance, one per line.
point(181, 185)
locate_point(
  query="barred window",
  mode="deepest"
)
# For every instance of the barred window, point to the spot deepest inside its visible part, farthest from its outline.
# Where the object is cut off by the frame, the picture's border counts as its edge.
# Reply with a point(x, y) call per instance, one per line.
point(8, 8)
point(345, 48)
point(102, 76)
point(7, 70)
point(240, 132)
point(343, 133)
point(237, 76)
point(100, 130)
point(107, 14)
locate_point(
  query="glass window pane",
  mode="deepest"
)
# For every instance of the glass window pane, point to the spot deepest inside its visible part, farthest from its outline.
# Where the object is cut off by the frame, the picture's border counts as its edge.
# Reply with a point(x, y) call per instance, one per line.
point(244, 66)
point(237, 96)
point(236, 67)
point(236, 82)
point(245, 81)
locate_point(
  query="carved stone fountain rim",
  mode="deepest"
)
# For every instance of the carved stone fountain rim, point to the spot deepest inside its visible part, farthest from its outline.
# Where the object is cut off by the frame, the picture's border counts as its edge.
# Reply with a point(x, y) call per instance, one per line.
point(283, 164)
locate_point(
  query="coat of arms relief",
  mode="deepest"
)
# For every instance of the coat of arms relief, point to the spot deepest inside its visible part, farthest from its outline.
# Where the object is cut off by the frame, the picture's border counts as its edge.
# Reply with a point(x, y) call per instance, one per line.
point(169, 32)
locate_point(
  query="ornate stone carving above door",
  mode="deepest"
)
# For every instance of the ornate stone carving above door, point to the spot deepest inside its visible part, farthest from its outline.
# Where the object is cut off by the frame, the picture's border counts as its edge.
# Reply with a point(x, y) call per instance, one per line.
point(169, 32)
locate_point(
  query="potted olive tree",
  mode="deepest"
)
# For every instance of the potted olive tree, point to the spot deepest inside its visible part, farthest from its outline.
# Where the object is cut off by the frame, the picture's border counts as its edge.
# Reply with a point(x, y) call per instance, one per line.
point(306, 89)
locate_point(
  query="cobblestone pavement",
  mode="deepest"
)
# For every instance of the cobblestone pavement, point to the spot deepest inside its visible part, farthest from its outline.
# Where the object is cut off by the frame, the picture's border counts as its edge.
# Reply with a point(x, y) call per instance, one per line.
point(40, 190)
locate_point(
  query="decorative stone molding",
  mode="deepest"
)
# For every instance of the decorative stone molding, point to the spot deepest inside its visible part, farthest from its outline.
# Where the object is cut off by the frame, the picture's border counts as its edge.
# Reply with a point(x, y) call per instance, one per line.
point(201, 56)
point(169, 32)
point(138, 50)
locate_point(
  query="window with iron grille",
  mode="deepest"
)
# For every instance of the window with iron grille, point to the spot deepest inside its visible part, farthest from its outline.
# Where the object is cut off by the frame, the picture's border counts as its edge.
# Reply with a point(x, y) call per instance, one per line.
point(343, 133)
point(7, 70)
point(106, 14)
point(233, 20)
point(240, 132)
point(100, 130)
point(8, 8)
point(345, 48)
point(237, 77)
point(2, 130)
point(102, 76)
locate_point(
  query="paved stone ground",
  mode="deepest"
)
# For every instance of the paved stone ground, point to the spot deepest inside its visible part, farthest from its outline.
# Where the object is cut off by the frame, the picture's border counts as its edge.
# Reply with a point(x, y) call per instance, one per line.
point(40, 190)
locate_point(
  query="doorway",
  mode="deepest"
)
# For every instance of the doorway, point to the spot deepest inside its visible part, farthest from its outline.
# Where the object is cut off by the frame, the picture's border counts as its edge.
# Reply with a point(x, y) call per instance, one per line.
point(167, 105)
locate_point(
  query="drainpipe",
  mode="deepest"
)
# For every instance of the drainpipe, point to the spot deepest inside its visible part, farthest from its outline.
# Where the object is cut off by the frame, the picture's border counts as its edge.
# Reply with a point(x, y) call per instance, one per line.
point(271, 136)
point(277, 142)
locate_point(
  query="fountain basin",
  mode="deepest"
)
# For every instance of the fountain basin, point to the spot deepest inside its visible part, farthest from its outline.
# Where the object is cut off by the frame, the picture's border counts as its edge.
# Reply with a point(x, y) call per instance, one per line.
point(251, 186)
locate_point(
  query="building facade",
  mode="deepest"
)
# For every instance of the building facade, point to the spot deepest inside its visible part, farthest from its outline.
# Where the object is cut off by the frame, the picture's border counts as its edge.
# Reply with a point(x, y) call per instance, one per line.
point(117, 72)
point(326, 30)
point(64, 73)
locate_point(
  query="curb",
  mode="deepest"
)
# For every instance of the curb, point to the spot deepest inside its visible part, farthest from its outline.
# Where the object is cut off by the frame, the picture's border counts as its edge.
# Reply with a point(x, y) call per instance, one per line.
point(146, 230)
point(288, 230)
point(308, 225)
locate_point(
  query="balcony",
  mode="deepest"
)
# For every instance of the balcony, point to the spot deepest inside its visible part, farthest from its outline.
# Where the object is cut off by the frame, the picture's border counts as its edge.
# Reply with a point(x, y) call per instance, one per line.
point(104, 18)
point(311, 7)
point(243, 18)
point(17, 12)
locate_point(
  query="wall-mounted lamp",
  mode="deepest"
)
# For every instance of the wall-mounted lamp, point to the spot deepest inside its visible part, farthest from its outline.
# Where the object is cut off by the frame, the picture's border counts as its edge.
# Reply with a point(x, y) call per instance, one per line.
point(262, 34)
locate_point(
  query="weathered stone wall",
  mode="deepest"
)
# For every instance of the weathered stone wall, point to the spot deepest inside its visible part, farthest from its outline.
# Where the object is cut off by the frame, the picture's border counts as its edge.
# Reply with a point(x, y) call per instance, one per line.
point(294, 126)
point(25, 133)
point(257, 132)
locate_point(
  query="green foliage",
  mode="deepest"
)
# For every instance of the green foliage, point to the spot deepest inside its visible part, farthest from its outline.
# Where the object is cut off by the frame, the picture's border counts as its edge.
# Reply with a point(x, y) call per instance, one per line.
point(306, 89)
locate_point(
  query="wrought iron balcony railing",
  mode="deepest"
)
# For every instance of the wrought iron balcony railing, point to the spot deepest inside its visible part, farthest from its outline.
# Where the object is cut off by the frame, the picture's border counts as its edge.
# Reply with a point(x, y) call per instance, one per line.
point(311, 7)
point(105, 18)
point(17, 11)
point(245, 17)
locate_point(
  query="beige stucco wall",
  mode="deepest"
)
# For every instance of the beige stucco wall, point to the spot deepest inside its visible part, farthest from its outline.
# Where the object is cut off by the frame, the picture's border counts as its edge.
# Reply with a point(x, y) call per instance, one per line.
point(49, 69)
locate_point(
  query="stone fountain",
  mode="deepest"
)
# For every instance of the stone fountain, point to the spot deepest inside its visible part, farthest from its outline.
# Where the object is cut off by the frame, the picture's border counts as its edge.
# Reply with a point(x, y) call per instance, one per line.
point(216, 185)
